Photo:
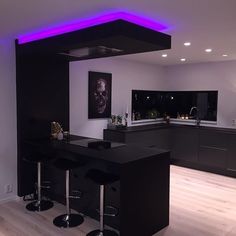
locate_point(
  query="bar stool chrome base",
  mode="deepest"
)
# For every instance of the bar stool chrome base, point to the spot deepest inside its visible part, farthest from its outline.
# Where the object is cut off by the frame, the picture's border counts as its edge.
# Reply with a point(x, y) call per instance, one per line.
point(102, 233)
point(68, 221)
point(42, 205)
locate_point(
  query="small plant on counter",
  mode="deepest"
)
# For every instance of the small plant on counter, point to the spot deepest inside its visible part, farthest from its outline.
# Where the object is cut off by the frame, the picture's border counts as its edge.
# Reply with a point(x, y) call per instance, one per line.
point(152, 114)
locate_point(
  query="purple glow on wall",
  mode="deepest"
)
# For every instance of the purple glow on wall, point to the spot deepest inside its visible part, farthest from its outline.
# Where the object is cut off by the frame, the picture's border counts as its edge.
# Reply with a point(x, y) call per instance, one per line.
point(147, 23)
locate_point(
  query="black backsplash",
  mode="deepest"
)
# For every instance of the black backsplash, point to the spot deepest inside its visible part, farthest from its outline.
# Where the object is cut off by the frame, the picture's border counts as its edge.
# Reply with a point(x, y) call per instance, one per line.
point(156, 104)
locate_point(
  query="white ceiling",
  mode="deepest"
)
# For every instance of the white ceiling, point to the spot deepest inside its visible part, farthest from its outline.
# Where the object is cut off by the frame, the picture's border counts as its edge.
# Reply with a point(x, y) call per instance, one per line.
point(205, 23)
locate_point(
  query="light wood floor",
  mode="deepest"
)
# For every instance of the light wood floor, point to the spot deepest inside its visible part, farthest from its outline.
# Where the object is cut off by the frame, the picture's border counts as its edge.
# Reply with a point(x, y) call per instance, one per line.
point(202, 204)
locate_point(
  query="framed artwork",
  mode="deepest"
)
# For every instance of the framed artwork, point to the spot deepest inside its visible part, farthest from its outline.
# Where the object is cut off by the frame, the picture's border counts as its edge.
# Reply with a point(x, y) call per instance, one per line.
point(99, 95)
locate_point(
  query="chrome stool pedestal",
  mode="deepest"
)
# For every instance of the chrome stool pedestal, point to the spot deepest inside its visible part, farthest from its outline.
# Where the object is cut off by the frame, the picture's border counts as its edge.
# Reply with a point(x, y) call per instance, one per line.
point(102, 178)
point(67, 220)
point(39, 204)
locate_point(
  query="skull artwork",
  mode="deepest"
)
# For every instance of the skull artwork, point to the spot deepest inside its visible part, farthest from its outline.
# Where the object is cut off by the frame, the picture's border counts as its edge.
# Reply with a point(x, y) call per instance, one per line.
point(101, 95)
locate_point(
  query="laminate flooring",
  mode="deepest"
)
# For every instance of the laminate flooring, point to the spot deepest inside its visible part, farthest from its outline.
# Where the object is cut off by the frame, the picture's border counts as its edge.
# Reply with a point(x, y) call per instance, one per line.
point(201, 204)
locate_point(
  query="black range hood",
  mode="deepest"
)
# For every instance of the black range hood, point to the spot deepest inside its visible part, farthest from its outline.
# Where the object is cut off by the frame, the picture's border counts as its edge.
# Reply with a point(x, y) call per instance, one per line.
point(115, 38)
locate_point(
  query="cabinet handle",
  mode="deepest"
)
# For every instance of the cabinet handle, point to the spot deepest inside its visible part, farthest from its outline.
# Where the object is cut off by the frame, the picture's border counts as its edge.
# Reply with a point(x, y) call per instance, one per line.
point(215, 148)
point(231, 169)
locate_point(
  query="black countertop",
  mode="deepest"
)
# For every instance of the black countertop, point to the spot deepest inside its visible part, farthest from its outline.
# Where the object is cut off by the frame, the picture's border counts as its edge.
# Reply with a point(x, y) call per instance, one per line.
point(120, 155)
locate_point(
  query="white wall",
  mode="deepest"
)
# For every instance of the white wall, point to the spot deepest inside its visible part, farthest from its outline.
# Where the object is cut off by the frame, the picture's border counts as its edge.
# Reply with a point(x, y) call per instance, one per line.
point(8, 160)
point(126, 76)
point(219, 76)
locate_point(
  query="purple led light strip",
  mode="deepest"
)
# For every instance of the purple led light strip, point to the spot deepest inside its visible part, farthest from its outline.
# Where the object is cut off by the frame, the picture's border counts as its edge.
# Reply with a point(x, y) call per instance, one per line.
point(147, 23)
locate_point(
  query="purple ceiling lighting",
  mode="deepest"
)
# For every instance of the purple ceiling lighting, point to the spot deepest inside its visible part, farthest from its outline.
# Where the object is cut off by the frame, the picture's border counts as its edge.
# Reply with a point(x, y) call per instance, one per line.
point(147, 23)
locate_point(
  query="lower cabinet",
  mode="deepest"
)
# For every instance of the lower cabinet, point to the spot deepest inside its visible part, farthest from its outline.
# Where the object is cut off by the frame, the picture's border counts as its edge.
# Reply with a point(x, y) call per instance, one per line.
point(184, 144)
point(202, 148)
point(212, 156)
point(152, 138)
point(156, 138)
point(213, 148)
point(231, 161)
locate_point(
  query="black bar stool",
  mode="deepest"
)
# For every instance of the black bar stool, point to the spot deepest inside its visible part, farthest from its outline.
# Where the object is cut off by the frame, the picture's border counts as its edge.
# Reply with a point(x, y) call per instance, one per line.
point(102, 178)
point(68, 220)
point(39, 204)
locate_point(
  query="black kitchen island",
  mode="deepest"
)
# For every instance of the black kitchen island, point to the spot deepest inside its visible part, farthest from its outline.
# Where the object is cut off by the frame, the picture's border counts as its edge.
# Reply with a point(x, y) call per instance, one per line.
point(141, 194)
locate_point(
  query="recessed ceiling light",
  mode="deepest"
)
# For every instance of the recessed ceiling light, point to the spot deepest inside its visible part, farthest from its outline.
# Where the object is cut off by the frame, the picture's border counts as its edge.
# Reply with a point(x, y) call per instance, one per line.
point(208, 50)
point(164, 55)
point(224, 55)
point(183, 59)
point(187, 44)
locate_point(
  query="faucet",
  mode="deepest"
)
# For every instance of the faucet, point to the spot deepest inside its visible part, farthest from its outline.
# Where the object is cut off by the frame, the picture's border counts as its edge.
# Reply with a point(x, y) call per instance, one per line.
point(198, 121)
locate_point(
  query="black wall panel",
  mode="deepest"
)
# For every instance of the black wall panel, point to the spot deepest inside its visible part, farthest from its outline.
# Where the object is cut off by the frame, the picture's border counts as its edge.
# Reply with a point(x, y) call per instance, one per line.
point(42, 96)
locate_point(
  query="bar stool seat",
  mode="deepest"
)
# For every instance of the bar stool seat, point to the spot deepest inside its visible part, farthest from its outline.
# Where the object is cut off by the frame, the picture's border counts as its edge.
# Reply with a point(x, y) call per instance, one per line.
point(68, 219)
point(102, 178)
point(39, 204)
point(66, 164)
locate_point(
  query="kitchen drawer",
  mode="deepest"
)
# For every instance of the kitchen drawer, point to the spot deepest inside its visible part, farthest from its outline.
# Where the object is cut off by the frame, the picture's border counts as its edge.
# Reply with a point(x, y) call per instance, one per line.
point(213, 139)
point(212, 156)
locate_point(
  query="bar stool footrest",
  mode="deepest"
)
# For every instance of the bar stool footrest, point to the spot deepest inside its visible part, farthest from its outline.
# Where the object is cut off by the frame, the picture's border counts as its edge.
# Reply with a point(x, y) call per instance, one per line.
point(46, 185)
point(76, 194)
point(109, 211)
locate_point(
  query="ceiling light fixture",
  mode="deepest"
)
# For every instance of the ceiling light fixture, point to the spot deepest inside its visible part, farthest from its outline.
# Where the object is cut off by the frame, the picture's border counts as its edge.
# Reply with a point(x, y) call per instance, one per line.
point(224, 55)
point(187, 44)
point(208, 50)
point(92, 21)
point(164, 55)
point(183, 59)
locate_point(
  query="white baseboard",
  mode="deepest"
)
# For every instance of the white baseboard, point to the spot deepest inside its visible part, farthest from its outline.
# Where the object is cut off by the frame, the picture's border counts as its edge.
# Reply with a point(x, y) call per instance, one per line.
point(11, 198)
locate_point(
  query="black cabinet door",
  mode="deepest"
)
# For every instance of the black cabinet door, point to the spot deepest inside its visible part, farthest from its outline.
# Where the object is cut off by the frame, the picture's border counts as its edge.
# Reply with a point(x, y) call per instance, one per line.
point(158, 138)
point(213, 156)
point(231, 162)
point(114, 135)
point(213, 148)
point(184, 143)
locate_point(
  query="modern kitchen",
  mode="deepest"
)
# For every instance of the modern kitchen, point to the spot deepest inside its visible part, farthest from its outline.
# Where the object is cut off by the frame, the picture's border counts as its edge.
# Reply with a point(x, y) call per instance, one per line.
point(118, 124)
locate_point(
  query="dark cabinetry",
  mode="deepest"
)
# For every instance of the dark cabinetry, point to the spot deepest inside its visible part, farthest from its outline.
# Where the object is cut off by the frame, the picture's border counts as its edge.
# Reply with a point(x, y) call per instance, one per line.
point(156, 138)
point(204, 148)
point(231, 162)
point(213, 148)
point(184, 144)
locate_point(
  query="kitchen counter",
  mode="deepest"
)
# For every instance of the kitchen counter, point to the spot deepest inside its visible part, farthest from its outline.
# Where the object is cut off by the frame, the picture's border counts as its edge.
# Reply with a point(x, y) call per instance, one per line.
point(123, 154)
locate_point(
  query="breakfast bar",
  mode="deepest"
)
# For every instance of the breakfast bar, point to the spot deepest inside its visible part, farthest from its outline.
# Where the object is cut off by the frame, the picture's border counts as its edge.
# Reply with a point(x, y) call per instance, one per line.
point(141, 194)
